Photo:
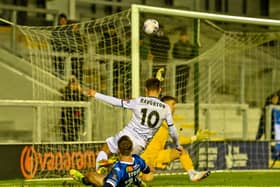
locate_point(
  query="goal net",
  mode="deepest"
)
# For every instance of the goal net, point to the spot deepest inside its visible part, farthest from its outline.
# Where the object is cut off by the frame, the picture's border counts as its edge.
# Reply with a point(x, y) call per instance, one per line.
point(69, 59)
point(228, 68)
point(66, 61)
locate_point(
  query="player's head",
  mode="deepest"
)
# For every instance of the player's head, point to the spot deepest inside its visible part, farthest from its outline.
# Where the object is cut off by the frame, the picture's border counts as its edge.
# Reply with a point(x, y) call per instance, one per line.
point(125, 145)
point(275, 99)
point(171, 101)
point(152, 86)
point(183, 36)
point(62, 19)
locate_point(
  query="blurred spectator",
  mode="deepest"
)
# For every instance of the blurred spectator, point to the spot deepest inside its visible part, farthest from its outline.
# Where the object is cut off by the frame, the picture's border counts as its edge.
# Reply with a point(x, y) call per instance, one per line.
point(59, 44)
point(159, 46)
point(276, 148)
point(62, 19)
point(72, 118)
point(110, 43)
point(273, 99)
point(77, 47)
point(183, 50)
point(143, 47)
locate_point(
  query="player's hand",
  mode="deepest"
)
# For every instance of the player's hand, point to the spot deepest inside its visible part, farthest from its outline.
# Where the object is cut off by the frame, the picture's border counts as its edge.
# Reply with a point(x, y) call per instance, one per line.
point(152, 168)
point(91, 92)
point(159, 74)
point(179, 148)
point(203, 134)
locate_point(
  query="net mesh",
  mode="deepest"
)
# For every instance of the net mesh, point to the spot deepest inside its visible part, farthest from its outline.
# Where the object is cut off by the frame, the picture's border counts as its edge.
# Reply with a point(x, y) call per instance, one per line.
point(68, 60)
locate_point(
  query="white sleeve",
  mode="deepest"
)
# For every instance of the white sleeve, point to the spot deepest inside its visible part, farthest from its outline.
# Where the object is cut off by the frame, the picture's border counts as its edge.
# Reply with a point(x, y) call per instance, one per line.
point(172, 130)
point(109, 99)
point(174, 135)
point(130, 104)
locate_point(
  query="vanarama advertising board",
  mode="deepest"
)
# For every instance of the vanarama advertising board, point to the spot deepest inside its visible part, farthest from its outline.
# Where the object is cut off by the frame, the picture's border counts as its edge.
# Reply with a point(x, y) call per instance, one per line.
point(46, 160)
point(32, 161)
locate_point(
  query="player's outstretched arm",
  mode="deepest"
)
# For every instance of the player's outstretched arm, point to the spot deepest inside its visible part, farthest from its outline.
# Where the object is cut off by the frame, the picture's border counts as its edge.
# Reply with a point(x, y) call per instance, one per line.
point(105, 98)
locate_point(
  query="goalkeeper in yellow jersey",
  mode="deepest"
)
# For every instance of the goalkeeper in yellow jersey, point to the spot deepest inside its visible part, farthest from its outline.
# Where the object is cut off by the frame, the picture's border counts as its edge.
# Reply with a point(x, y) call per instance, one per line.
point(157, 156)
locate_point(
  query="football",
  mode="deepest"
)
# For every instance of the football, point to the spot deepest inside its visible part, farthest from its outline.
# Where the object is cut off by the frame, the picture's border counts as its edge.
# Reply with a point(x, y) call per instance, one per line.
point(151, 26)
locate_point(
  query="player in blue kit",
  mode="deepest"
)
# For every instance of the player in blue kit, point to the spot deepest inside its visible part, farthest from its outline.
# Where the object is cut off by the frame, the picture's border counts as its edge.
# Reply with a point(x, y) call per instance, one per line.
point(123, 173)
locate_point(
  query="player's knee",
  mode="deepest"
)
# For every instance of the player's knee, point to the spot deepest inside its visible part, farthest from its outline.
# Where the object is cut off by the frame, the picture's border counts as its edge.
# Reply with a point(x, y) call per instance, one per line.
point(174, 154)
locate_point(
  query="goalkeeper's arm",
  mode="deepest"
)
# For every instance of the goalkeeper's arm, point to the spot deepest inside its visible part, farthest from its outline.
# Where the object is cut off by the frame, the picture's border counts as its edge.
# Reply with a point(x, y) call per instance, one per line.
point(200, 135)
point(174, 135)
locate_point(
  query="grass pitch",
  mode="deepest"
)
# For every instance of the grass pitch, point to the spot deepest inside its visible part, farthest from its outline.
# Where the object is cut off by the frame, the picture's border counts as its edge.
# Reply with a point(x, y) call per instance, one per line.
point(216, 179)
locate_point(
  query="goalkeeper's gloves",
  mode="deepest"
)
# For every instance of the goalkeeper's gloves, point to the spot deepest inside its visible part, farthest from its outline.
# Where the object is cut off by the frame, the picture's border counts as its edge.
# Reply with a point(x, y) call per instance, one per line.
point(109, 162)
point(200, 135)
point(159, 74)
point(102, 170)
point(203, 134)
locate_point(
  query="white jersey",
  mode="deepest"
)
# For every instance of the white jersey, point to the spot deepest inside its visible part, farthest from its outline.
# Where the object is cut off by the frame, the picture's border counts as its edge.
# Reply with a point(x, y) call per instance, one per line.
point(148, 115)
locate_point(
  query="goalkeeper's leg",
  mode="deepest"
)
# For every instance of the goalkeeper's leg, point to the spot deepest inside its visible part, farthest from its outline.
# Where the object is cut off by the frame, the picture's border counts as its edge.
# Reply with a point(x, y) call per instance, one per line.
point(164, 157)
point(187, 164)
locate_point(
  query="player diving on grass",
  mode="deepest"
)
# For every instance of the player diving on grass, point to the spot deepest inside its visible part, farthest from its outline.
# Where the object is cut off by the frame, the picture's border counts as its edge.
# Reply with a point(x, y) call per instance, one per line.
point(124, 172)
point(158, 157)
point(148, 114)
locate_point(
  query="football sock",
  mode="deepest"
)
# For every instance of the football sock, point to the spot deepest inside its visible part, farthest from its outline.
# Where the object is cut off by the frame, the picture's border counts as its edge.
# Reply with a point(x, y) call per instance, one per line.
point(191, 173)
point(186, 162)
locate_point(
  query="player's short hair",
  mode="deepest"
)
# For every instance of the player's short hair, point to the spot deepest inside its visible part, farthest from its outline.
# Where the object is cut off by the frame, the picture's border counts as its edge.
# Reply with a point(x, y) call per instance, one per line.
point(168, 98)
point(183, 33)
point(62, 15)
point(152, 84)
point(125, 145)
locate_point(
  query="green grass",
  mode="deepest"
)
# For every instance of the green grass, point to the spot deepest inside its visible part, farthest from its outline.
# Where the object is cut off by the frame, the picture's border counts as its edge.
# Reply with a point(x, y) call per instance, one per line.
point(224, 179)
point(216, 179)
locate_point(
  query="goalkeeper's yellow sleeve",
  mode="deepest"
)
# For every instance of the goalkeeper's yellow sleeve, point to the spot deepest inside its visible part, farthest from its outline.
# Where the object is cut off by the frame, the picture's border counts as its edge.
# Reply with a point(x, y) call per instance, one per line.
point(186, 140)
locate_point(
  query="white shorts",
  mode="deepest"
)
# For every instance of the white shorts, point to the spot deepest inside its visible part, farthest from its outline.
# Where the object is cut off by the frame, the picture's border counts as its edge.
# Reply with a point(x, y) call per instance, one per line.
point(138, 145)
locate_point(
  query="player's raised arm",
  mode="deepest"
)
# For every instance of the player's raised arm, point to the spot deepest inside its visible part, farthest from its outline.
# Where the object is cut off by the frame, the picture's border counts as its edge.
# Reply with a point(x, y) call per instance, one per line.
point(105, 98)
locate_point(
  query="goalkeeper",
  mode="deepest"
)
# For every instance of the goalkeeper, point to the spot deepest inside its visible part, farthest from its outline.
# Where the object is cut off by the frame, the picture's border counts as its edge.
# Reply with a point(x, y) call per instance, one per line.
point(157, 156)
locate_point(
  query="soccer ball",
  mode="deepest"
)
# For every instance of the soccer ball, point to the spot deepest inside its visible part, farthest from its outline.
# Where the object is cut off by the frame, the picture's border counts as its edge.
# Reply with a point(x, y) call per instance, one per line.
point(151, 26)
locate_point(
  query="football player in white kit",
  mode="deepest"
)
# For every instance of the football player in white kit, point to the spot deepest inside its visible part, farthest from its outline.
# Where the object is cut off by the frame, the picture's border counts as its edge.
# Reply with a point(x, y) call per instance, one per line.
point(148, 114)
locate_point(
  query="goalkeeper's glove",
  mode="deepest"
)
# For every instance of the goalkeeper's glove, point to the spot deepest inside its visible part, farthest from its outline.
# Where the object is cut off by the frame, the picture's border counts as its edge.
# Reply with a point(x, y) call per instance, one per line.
point(203, 134)
point(103, 165)
point(102, 170)
point(200, 135)
point(159, 74)
point(109, 162)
